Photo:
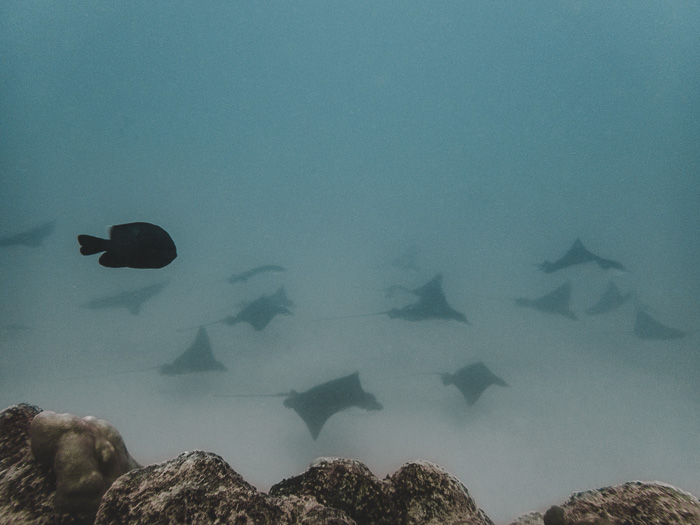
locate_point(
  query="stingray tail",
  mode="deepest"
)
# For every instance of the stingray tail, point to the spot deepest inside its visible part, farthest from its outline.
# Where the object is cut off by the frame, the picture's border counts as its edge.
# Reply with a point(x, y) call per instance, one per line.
point(280, 394)
point(90, 245)
point(224, 320)
point(348, 317)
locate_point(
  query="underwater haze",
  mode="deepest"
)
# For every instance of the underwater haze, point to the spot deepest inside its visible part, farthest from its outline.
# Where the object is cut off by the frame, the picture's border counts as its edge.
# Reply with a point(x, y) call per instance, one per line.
point(477, 139)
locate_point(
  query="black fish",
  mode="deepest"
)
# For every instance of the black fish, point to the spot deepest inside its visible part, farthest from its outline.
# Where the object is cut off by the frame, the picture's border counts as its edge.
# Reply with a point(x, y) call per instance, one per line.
point(611, 299)
point(197, 358)
point(431, 304)
point(555, 302)
point(132, 300)
point(133, 245)
point(472, 381)
point(578, 254)
point(244, 276)
point(319, 403)
point(646, 327)
point(31, 238)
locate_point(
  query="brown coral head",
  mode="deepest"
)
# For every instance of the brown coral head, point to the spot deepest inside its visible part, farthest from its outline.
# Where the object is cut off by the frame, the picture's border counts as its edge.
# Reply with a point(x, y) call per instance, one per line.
point(86, 454)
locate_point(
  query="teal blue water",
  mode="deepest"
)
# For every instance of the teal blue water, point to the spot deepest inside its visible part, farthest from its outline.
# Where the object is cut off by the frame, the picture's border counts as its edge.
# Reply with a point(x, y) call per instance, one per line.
point(329, 138)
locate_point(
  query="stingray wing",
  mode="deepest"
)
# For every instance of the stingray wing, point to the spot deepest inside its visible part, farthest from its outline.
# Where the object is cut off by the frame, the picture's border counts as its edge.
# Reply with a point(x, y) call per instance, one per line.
point(197, 358)
point(646, 327)
point(611, 299)
point(313, 419)
point(557, 301)
point(577, 254)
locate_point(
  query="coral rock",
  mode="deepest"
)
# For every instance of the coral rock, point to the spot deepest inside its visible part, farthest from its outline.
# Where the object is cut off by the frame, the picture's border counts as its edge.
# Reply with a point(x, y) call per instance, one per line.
point(26, 488)
point(633, 503)
point(418, 493)
point(343, 484)
point(201, 488)
point(86, 455)
point(425, 493)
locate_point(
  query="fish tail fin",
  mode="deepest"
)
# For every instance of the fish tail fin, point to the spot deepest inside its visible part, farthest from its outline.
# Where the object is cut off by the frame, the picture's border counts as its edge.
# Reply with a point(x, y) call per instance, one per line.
point(90, 245)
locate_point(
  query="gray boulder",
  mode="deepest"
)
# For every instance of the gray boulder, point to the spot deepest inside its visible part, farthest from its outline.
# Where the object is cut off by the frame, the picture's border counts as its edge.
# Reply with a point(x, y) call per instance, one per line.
point(343, 484)
point(201, 488)
point(632, 503)
point(418, 493)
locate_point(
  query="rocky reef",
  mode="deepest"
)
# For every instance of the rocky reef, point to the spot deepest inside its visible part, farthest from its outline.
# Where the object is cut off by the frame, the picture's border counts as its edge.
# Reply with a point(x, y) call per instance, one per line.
point(633, 503)
point(66, 470)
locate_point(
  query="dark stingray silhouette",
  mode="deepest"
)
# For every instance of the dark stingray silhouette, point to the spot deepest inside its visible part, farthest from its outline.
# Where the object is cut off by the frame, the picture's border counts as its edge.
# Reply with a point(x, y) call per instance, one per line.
point(431, 304)
point(578, 254)
point(555, 302)
point(279, 297)
point(32, 238)
point(316, 405)
point(260, 312)
point(472, 380)
point(611, 300)
point(197, 358)
point(132, 300)
point(646, 327)
point(244, 276)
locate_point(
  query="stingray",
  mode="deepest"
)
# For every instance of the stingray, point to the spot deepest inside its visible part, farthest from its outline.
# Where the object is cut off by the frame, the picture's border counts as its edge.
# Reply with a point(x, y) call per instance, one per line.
point(197, 358)
point(279, 297)
point(646, 327)
point(431, 304)
point(32, 238)
point(611, 299)
point(258, 314)
point(261, 311)
point(316, 405)
point(132, 300)
point(244, 276)
point(472, 380)
point(578, 254)
point(555, 302)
